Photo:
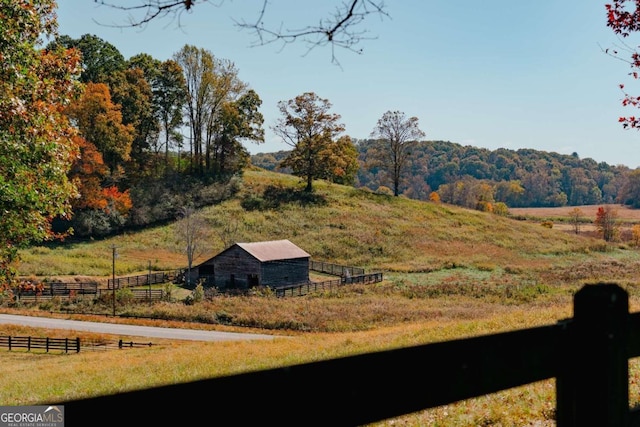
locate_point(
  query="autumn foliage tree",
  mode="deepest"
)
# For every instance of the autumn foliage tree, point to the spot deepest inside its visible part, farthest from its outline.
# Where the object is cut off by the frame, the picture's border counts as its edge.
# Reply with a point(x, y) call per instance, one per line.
point(36, 147)
point(606, 223)
point(623, 17)
point(99, 120)
point(575, 216)
point(308, 126)
point(98, 209)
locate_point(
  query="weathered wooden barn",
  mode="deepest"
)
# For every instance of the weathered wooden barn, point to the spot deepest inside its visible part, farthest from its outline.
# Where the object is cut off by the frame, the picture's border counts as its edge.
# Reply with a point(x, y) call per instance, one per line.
point(275, 263)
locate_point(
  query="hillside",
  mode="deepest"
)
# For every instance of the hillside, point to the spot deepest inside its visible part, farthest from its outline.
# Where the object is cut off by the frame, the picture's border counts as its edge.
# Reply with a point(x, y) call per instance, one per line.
point(346, 226)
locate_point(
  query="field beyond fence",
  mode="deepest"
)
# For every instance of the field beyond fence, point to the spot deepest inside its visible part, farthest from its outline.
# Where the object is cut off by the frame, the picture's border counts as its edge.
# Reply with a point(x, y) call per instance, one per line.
point(588, 356)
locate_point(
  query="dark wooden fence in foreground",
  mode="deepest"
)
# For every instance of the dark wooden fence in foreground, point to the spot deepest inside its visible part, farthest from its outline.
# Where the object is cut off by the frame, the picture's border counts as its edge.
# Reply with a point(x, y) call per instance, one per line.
point(587, 355)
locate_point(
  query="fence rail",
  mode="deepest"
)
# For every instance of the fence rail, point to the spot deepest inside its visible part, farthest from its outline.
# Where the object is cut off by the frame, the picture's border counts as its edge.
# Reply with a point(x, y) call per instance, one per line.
point(587, 354)
point(59, 289)
point(335, 269)
point(139, 280)
point(139, 294)
point(326, 285)
point(66, 344)
point(49, 344)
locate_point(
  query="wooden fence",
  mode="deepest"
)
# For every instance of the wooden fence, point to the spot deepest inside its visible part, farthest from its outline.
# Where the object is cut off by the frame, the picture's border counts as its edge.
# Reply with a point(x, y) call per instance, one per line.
point(59, 289)
point(139, 294)
point(48, 344)
point(66, 345)
point(139, 280)
point(335, 269)
point(326, 285)
point(587, 355)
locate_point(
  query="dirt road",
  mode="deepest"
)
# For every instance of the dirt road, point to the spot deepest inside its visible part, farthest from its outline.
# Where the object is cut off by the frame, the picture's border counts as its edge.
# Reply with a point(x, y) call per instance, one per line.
point(131, 330)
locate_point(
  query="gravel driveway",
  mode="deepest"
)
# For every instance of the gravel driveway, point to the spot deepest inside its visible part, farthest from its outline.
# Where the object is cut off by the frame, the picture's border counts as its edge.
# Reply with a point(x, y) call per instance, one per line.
point(131, 330)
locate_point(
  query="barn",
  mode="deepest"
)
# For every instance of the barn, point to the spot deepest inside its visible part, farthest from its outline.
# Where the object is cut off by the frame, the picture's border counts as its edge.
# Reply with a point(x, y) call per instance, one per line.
point(274, 263)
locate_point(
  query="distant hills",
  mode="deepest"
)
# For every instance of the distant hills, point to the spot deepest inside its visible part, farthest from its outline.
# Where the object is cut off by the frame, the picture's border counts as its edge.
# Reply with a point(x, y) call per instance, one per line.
point(463, 175)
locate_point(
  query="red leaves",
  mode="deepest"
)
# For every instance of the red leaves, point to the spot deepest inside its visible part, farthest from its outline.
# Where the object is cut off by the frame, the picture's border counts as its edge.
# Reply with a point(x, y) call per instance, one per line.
point(622, 19)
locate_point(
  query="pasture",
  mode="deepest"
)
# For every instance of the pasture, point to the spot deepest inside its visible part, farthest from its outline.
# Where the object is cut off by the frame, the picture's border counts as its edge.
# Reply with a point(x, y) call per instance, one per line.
point(560, 217)
point(449, 273)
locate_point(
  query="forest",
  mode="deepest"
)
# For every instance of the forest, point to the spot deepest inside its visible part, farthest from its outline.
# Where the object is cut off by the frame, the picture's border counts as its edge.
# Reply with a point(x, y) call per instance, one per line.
point(470, 176)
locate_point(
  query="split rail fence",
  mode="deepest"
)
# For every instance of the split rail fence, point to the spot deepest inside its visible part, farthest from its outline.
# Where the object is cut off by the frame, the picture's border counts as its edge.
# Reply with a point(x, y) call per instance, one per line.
point(587, 355)
point(43, 343)
point(139, 280)
point(66, 345)
point(326, 285)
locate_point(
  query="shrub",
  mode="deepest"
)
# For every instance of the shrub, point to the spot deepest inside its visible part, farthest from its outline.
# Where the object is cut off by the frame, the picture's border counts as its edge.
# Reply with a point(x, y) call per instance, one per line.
point(198, 293)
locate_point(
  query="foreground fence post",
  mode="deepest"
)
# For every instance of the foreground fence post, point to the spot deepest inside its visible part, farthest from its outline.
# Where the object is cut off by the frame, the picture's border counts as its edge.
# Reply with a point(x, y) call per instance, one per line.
point(592, 387)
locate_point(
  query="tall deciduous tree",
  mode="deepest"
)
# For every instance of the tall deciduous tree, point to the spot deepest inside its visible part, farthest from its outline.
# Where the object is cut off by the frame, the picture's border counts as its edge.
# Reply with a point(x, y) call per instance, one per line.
point(191, 230)
point(397, 135)
point(309, 127)
point(575, 216)
point(341, 158)
point(36, 147)
point(100, 58)
point(132, 92)
point(169, 95)
point(88, 172)
point(238, 120)
point(212, 84)
point(100, 122)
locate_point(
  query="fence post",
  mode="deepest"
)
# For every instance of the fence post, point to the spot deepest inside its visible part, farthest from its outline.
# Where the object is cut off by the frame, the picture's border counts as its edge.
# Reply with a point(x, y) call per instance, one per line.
point(592, 386)
point(77, 344)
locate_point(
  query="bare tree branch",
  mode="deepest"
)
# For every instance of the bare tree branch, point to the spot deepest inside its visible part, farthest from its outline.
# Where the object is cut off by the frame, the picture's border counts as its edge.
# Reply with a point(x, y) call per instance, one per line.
point(340, 30)
point(151, 10)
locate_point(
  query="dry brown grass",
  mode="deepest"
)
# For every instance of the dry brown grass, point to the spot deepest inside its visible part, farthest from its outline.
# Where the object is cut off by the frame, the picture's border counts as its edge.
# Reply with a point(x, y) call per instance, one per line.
point(560, 218)
point(625, 213)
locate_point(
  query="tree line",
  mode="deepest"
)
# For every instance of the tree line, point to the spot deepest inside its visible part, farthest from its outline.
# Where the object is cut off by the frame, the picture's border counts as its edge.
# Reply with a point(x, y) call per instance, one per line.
point(479, 178)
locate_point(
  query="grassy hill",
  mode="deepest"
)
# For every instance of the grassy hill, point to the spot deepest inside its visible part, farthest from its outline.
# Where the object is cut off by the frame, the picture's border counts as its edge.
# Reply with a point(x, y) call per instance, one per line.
point(347, 226)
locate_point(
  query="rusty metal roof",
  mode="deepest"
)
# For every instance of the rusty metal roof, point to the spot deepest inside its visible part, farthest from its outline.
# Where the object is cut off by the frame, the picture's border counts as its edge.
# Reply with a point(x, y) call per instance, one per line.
point(273, 250)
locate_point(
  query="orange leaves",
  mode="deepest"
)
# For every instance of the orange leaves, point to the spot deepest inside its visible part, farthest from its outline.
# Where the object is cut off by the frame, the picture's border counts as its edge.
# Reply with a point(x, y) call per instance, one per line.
point(100, 122)
point(115, 199)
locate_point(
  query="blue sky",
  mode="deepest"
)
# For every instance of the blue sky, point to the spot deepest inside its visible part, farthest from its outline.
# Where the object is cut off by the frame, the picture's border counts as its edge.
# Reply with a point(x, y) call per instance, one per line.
point(490, 73)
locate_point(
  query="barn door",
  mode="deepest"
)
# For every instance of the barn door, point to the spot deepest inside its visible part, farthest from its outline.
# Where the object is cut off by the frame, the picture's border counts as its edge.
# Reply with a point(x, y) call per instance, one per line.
point(252, 280)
